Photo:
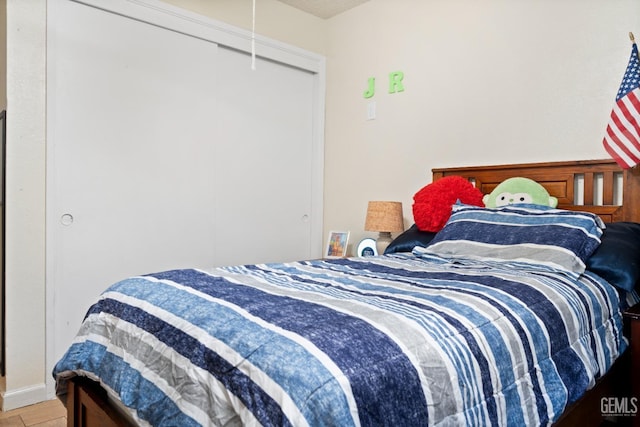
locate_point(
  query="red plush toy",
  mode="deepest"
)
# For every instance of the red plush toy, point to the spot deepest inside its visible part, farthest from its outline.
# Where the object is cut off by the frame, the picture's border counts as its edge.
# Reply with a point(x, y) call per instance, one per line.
point(432, 204)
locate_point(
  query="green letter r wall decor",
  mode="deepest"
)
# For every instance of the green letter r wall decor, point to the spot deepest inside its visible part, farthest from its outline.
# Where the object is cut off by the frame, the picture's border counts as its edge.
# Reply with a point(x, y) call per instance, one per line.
point(395, 82)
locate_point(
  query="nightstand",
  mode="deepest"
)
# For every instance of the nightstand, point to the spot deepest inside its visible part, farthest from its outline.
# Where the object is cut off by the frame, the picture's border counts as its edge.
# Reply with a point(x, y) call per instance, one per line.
point(631, 318)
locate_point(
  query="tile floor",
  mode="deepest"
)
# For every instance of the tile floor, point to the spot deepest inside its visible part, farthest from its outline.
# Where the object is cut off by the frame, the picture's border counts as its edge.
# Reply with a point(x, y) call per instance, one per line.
point(46, 414)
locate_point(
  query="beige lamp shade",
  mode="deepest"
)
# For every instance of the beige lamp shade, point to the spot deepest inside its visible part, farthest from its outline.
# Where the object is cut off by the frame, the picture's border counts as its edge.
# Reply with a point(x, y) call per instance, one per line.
point(385, 218)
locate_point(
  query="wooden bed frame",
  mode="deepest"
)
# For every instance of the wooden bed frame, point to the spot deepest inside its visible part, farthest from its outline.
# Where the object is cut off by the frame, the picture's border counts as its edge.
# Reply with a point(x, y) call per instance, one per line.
point(561, 178)
point(587, 185)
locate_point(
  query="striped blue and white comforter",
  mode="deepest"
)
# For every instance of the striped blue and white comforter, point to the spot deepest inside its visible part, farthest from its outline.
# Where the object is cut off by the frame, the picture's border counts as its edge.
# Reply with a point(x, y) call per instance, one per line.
point(389, 340)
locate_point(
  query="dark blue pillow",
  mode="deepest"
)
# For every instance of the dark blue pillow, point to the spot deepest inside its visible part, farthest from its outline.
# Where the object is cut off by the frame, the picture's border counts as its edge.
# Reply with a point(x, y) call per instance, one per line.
point(409, 239)
point(617, 259)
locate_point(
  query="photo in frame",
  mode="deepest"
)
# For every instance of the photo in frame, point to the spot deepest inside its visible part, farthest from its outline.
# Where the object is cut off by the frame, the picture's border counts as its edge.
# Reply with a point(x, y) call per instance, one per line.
point(337, 244)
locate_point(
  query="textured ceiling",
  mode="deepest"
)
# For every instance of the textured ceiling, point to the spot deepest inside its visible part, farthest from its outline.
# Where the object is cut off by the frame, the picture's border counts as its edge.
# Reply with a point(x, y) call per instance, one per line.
point(324, 8)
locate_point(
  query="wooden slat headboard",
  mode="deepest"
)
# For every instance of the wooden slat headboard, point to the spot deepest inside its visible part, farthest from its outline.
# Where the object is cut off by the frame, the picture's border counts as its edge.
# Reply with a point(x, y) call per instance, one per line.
point(605, 188)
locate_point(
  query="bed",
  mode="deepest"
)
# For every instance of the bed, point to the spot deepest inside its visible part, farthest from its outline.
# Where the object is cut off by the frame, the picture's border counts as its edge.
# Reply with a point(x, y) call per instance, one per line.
point(417, 336)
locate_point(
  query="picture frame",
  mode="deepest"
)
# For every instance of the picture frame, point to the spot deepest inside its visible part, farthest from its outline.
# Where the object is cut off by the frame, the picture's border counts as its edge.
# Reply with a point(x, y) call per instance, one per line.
point(337, 244)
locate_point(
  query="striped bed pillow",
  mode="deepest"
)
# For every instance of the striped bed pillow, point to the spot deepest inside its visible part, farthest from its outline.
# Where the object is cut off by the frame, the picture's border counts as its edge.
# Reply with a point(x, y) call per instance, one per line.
point(527, 233)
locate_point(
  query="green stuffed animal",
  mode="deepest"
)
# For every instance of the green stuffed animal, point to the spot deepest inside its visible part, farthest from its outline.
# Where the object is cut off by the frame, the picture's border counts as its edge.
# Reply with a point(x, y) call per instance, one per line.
point(519, 190)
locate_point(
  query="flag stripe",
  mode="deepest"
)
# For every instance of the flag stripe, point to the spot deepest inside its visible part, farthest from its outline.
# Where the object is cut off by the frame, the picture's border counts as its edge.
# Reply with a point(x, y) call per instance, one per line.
point(631, 107)
point(623, 146)
point(626, 127)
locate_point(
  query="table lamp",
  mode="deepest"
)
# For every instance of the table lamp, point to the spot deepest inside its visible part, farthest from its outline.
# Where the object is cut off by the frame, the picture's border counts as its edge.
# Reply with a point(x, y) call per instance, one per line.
point(385, 218)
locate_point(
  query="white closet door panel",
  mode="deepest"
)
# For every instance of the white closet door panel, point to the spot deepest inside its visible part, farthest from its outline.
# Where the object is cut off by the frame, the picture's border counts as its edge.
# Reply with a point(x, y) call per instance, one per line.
point(266, 135)
point(131, 154)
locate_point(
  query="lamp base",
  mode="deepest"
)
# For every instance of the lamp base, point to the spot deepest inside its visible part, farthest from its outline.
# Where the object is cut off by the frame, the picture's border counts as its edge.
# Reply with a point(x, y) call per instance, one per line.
point(384, 238)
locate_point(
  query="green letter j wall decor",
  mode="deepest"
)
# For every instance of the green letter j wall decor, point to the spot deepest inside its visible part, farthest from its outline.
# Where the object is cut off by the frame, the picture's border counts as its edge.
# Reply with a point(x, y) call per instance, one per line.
point(371, 88)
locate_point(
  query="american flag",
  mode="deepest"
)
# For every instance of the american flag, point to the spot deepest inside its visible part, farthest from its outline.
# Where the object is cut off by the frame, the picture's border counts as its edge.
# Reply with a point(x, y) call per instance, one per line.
point(622, 140)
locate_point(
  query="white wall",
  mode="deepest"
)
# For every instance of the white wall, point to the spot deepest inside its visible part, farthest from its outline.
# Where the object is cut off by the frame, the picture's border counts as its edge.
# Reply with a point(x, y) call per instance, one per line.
point(486, 82)
point(25, 281)
point(3, 55)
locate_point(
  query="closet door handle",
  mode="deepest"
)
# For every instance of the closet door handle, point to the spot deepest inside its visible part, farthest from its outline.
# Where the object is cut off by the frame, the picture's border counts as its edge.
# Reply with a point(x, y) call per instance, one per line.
point(66, 219)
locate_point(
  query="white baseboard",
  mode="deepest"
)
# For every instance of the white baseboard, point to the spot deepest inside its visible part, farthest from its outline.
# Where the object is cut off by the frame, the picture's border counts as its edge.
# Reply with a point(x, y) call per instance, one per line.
point(12, 399)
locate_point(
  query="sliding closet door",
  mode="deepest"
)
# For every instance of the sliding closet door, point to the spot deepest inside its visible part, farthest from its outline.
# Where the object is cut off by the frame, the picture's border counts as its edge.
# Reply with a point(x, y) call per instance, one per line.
point(166, 150)
point(132, 148)
point(265, 135)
